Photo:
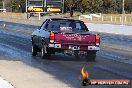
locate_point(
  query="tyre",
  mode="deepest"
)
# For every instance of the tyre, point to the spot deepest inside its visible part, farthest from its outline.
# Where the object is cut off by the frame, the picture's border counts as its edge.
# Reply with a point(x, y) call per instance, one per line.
point(76, 54)
point(91, 56)
point(44, 52)
point(34, 50)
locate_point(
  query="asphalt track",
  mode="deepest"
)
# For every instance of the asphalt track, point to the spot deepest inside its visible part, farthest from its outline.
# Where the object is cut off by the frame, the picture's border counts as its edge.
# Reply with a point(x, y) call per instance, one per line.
point(113, 61)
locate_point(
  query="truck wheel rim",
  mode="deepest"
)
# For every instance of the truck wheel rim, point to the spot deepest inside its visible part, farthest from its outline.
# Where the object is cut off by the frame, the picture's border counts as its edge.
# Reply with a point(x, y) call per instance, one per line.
point(42, 52)
point(32, 49)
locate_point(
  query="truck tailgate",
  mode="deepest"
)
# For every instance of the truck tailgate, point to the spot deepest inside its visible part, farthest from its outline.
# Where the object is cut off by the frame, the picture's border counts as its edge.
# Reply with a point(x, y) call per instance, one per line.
point(75, 38)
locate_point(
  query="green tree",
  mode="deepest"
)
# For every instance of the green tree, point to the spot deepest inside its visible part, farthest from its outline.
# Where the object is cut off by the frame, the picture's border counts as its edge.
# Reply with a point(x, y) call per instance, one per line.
point(128, 6)
point(106, 5)
point(15, 5)
point(116, 6)
point(91, 6)
point(1, 5)
point(84, 6)
point(71, 5)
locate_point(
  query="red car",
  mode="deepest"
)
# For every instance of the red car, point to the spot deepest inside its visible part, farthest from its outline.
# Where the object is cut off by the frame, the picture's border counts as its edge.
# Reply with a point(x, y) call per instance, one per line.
point(67, 36)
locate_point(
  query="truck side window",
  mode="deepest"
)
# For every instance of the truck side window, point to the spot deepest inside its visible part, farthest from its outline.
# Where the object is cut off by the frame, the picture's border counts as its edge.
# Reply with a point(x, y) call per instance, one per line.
point(78, 26)
point(84, 26)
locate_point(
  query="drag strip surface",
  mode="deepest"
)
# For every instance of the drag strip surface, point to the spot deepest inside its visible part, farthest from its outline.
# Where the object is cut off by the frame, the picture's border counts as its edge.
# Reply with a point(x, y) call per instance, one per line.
point(64, 68)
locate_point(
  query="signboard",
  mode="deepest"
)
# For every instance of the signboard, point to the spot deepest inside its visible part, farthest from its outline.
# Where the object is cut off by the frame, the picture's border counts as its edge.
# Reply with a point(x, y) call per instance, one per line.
point(51, 6)
point(35, 9)
point(54, 10)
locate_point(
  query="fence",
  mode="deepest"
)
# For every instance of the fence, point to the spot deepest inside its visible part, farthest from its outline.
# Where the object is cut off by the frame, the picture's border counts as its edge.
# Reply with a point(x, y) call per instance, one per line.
point(117, 19)
point(3, 10)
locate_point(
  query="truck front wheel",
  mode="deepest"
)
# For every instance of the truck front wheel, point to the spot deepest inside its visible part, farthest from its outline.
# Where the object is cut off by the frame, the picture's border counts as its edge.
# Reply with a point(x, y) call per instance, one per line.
point(34, 50)
point(91, 56)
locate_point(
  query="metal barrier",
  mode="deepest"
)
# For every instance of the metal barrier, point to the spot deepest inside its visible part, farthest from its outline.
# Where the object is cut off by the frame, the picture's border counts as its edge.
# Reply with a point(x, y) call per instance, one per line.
point(90, 16)
point(3, 10)
point(127, 19)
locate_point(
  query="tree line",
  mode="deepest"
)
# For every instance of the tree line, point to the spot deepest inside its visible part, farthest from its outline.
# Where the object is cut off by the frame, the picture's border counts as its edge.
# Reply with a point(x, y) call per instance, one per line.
point(83, 6)
point(14, 5)
point(98, 6)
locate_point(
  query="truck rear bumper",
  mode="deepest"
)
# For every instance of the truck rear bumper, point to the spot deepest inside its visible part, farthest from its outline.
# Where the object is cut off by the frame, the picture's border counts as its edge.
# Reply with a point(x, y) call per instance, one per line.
point(74, 47)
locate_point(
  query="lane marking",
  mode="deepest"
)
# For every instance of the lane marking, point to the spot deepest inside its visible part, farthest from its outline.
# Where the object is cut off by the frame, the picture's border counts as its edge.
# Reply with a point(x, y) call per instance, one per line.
point(120, 73)
point(115, 57)
point(5, 84)
point(16, 41)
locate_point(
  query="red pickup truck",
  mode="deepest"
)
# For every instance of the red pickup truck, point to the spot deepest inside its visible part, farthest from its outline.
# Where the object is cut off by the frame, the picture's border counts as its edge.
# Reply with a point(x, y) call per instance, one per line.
point(67, 36)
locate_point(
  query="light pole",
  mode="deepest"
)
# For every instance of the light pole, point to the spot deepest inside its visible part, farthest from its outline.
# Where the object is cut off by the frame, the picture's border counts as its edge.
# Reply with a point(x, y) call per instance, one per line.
point(63, 6)
point(26, 5)
point(3, 4)
point(123, 11)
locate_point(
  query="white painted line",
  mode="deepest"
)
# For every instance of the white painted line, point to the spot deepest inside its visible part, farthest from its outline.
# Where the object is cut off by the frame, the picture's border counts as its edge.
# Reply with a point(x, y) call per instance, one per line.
point(5, 84)
point(115, 57)
point(121, 73)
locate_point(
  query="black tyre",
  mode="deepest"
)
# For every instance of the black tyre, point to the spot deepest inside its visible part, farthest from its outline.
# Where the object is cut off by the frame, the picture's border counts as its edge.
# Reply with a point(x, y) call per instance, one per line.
point(91, 56)
point(44, 52)
point(34, 50)
point(76, 54)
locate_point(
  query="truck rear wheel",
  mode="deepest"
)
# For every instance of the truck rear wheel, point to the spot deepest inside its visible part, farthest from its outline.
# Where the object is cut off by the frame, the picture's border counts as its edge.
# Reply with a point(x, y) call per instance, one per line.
point(76, 54)
point(34, 50)
point(44, 52)
point(91, 56)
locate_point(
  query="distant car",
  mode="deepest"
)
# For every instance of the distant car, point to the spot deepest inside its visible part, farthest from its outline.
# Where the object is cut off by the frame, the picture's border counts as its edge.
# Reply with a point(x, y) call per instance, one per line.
point(67, 36)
